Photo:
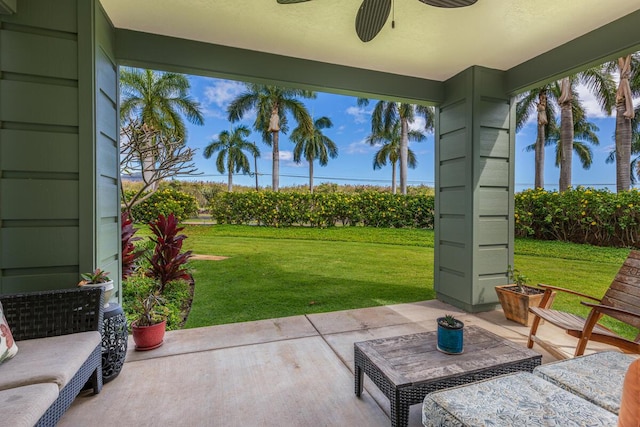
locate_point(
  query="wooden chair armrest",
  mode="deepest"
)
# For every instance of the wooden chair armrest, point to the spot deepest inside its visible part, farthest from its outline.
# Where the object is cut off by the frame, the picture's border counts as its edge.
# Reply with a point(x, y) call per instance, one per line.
point(568, 291)
point(608, 309)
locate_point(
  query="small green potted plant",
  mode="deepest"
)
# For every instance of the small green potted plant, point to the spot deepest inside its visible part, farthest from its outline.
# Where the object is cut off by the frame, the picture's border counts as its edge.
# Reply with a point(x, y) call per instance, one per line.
point(450, 335)
point(98, 278)
point(517, 296)
point(149, 327)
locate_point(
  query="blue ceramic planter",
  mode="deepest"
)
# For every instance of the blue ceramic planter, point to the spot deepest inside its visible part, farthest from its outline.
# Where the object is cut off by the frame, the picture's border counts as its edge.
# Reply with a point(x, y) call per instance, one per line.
point(450, 340)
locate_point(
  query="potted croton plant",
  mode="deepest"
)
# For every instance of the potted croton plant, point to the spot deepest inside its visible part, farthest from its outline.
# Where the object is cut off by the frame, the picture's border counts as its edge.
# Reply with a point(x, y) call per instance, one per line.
point(450, 334)
point(149, 327)
point(517, 296)
point(98, 278)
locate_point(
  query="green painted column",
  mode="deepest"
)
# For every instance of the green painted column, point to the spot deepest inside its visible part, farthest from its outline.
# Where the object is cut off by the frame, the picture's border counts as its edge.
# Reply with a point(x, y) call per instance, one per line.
point(474, 174)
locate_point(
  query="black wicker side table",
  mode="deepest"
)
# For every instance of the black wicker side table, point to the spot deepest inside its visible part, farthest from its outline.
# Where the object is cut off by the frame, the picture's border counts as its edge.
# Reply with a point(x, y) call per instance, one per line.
point(406, 368)
point(114, 341)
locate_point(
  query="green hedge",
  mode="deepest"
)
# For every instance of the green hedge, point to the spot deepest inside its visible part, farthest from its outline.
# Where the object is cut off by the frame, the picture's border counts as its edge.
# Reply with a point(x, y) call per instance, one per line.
point(370, 208)
point(165, 202)
point(580, 215)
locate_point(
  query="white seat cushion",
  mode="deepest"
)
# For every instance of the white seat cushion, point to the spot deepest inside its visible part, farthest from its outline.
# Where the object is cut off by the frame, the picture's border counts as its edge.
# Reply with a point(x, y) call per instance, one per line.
point(23, 406)
point(52, 359)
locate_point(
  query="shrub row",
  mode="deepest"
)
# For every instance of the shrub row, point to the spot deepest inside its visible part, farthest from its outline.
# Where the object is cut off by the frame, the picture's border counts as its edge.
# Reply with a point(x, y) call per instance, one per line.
point(165, 202)
point(580, 215)
point(371, 208)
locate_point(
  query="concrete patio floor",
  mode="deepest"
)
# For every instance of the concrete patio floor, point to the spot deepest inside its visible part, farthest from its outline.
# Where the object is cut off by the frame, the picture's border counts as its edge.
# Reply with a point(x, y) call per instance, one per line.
point(294, 371)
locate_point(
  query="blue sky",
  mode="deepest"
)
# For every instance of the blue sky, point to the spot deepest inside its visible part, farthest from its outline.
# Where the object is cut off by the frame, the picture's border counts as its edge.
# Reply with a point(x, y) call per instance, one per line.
point(354, 164)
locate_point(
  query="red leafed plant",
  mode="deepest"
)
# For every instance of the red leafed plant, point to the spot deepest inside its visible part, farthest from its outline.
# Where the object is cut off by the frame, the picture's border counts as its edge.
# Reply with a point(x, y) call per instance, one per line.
point(167, 262)
point(129, 253)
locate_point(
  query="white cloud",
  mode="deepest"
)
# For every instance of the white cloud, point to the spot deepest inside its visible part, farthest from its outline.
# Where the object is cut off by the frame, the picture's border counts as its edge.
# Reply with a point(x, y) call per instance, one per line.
point(285, 156)
point(360, 115)
point(590, 102)
point(359, 147)
point(218, 96)
point(222, 92)
point(418, 124)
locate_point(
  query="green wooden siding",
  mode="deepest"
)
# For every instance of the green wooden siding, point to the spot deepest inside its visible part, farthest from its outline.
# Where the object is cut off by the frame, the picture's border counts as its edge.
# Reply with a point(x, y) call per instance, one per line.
point(49, 187)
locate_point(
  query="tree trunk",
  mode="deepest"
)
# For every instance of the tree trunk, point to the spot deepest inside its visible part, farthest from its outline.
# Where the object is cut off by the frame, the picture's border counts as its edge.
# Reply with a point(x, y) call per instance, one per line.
point(275, 173)
point(540, 139)
point(230, 178)
point(566, 135)
point(623, 149)
point(255, 169)
point(539, 179)
point(311, 176)
point(404, 154)
point(148, 172)
point(393, 177)
point(624, 114)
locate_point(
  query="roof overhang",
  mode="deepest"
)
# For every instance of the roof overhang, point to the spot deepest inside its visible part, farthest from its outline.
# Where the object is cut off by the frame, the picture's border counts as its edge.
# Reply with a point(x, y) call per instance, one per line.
point(314, 44)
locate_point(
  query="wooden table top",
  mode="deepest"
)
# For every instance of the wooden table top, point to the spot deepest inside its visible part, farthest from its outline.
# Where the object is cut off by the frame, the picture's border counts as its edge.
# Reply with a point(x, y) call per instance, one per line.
point(412, 359)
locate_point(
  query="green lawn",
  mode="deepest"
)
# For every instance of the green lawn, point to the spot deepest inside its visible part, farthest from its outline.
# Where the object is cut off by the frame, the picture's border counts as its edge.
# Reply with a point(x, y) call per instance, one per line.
point(291, 271)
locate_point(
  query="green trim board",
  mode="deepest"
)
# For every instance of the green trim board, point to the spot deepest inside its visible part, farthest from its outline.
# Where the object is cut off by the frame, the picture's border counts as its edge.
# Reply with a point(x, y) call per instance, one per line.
point(144, 50)
point(99, 179)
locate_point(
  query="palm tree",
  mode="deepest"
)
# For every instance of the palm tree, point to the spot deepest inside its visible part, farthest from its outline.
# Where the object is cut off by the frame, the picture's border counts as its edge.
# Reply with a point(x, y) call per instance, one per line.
point(566, 132)
point(634, 165)
point(231, 157)
point(272, 103)
point(584, 132)
point(158, 100)
point(384, 116)
point(314, 145)
point(628, 87)
point(540, 100)
point(563, 95)
point(390, 150)
point(600, 83)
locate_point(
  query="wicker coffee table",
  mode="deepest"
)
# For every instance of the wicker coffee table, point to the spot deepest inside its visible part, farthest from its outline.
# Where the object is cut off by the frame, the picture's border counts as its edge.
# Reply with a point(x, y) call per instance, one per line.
point(407, 367)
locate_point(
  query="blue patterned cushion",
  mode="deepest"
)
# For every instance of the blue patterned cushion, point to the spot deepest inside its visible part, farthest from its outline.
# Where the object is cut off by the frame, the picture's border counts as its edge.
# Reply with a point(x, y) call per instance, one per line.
point(596, 377)
point(520, 399)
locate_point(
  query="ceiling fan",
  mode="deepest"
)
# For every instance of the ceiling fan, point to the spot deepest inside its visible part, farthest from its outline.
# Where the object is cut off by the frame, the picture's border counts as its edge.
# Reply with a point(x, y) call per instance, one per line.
point(373, 14)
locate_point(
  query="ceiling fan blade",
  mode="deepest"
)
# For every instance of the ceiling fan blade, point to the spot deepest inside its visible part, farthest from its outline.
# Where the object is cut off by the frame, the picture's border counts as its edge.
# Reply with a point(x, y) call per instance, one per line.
point(291, 1)
point(371, 17)
point(449, 3)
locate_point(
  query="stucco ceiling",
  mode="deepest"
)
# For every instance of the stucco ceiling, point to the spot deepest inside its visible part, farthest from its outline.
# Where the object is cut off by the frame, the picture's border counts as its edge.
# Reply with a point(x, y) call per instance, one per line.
point(427, 42)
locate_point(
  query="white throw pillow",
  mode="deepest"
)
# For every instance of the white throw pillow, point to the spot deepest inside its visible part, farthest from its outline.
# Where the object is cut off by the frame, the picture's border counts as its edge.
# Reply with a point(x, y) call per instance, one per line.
point(8, 347)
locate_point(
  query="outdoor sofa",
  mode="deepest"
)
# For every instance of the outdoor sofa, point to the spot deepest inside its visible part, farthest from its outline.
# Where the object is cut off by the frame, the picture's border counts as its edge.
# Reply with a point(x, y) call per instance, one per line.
point(58, 335)
point(583, 391)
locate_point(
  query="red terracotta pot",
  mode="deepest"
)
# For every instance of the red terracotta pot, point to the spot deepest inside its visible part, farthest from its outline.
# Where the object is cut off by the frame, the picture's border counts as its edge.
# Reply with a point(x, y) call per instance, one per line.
point(148, 337)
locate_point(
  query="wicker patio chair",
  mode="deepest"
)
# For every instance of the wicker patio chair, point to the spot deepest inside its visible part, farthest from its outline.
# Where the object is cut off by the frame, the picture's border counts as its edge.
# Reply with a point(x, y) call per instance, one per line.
point(621, 301)
point(54, 313)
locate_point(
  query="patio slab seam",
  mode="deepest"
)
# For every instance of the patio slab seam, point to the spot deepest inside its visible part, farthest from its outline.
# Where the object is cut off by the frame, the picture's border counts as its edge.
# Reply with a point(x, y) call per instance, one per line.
point(204, 350)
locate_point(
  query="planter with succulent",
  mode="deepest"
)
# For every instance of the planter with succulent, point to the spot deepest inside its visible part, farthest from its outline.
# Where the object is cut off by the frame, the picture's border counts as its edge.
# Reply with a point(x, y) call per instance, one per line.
point(149, 328)
point(98, 278)
point(516, 297)
point(450, 335)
